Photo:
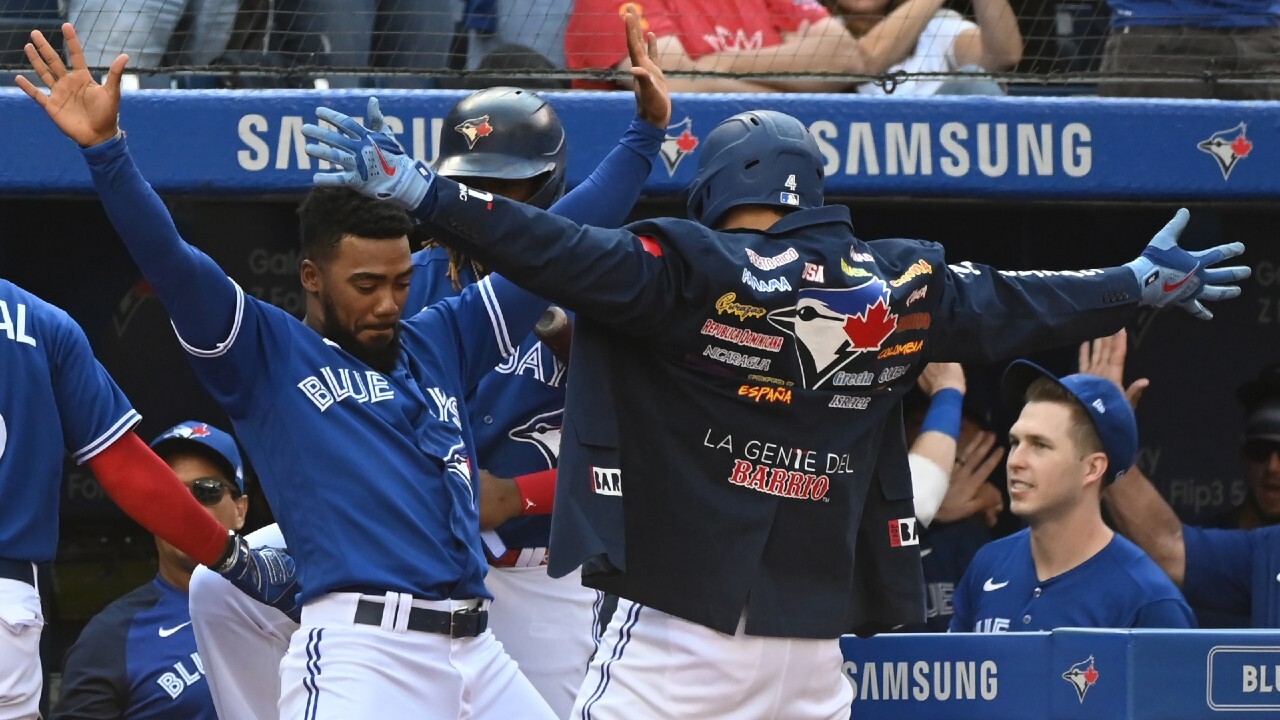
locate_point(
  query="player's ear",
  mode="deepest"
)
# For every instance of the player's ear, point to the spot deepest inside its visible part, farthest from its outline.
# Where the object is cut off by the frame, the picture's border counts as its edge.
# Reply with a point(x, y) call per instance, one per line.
point(242, 511)
point(1095, 468)
point(309, 273)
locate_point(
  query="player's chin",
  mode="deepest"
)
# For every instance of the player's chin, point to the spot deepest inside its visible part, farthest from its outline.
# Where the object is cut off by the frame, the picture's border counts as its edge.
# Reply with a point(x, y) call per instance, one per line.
point(377, 338)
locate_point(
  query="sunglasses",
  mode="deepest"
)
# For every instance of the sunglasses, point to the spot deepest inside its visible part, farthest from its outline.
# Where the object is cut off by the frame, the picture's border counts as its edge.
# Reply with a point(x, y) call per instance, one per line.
point(208, 491)
point(1261, 450)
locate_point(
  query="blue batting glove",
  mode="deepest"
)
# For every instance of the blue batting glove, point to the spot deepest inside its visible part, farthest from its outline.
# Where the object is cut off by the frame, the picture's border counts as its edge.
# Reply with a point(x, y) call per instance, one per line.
point(370, 160)
point(1170, 275)
point(267, 575)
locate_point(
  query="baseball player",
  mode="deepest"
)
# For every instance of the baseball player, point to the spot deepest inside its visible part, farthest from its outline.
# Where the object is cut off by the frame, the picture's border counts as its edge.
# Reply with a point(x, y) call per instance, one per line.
point(546, 625)
point(357, 424)
point(1227, 573)
point(54, 395)
point(732, 447)
point(1073, 437)
point(137, 658)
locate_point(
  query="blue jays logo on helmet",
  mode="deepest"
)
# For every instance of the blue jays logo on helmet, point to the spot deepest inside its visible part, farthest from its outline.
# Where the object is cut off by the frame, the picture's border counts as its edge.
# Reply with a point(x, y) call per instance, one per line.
point(474, 128)
point(1227, 147)
point(832, 326)
point(1082, 676)
point(543, 431)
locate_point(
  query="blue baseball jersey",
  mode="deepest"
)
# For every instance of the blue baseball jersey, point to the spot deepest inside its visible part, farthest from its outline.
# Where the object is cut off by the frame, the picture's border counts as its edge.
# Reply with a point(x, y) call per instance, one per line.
point(137, 660)
point(946, 549)
point(1234, 572)
point(54, 395)
point(516, 410)
point(1119, 587)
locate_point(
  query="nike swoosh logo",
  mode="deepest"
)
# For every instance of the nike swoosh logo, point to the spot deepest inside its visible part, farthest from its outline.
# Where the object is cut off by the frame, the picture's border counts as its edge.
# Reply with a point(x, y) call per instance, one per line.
point(1183, 281)
point(391, 171)
point(991, 584)
point(166, 632)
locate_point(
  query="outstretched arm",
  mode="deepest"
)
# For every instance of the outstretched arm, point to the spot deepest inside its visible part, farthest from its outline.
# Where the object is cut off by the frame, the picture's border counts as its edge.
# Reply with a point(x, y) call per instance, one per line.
point(200, 298)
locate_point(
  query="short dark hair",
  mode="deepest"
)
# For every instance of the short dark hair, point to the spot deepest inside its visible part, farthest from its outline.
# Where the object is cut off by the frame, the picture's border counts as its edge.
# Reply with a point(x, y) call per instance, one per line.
point(1082, 430)
point(329, 213)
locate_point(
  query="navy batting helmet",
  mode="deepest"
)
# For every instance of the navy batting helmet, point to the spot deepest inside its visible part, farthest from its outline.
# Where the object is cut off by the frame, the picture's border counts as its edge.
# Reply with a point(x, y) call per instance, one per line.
point(505, 133)
point(761, 157)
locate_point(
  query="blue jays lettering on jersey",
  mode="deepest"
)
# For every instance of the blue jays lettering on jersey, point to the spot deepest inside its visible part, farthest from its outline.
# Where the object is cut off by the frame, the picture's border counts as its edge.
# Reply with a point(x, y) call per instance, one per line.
point(1234, 571)
point(137, 659)
point(1119, 587)
point(751, 400)
point(381, 462)
point(54, 395)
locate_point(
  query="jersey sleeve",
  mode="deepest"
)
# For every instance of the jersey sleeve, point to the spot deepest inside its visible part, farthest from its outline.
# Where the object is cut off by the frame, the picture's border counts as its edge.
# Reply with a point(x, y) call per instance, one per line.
point(610, 276)
point(986, 315)
point(1218, 569)
point(91, 407)
point(607, 196)
point(1171, 613)
point(211, 314)
point(789, 15)
point(94, 682)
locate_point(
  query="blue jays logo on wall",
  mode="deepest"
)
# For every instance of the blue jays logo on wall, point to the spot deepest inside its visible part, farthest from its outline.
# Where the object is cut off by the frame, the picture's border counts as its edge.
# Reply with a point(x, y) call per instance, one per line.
point(1227, 147)
point(1082, 676)
point(474, 129)
point(678, 142)
point(833, 326)
point(543, 431)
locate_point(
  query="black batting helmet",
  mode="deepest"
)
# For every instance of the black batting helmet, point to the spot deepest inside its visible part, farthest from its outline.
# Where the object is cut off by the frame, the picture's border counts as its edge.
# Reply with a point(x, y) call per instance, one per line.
point(506, 133)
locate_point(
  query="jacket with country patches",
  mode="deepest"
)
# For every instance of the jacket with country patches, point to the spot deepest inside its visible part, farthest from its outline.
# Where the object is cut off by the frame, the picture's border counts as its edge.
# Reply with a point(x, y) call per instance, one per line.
point(733, 436)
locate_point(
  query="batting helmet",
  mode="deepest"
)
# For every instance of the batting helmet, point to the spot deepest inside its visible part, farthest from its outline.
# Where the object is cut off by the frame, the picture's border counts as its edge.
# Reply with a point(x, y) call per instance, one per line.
point(761, 157)
point(505, 133)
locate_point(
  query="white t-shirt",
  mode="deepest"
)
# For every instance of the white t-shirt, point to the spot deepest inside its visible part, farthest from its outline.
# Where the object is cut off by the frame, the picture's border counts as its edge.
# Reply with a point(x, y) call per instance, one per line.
point(935, 53)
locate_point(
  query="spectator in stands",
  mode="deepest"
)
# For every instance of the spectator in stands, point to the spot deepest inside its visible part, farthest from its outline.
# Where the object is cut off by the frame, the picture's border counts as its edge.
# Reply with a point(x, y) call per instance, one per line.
point(403, 35)
point(947, 43)
point(1193, 38)
point(746, 36)
point(1073, 436)
point(147, 31)
point(951, 482)
point(537, 25)
point(137, 658)
point(1226, 574)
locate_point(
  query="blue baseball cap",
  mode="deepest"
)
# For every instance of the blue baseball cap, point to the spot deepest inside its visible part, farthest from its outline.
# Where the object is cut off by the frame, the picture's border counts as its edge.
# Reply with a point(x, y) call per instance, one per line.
point(1102, 400)
point(212, 442)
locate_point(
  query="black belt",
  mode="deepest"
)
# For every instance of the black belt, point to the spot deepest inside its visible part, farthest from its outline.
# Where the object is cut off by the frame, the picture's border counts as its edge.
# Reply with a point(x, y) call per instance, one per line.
point(456, 624)
point(20, 570)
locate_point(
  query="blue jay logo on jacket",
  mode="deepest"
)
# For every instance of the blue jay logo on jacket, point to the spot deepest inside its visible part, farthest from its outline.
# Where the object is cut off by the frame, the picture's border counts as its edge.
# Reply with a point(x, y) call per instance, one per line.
point(833, 326)
point(544, 432)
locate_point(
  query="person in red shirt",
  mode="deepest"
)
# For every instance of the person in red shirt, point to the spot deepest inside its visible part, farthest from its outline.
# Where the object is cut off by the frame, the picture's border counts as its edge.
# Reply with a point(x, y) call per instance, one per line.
point(767, 37)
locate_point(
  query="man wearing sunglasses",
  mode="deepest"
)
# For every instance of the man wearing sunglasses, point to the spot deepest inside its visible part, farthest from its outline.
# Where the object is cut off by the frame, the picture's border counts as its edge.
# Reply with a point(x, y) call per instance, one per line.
point(137, 658)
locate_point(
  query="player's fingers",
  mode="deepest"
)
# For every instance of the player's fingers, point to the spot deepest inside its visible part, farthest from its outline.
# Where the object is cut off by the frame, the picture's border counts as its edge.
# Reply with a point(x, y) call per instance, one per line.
point(38, 65)
point(1215, 255)
point(1168, 235)
point(989, 464)
point(50, 55)
point(343, 122)
point(327, 153)
point(1214, 293)
point(114, 74)
point(651, 41)
point(1197, 310)
point(374, 113)
point(1134, 393)
point(74, 50)
point(329, 137)
point(1234, 273)
point(32, 91)
point(330, 179)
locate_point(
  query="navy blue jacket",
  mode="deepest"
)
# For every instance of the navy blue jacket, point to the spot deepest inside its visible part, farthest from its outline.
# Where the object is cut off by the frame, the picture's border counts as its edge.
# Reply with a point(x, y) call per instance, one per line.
point(733, 436)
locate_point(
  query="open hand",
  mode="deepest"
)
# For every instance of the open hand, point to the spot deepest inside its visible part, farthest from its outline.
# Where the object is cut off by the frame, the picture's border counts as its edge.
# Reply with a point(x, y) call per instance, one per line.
point(653, 100)
point(1105, 357)
point(84, 110)
point(1167, 274)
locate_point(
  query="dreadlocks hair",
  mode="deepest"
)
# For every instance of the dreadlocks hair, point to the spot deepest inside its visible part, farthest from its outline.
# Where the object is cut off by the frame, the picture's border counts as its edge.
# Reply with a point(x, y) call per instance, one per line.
point(457, 261)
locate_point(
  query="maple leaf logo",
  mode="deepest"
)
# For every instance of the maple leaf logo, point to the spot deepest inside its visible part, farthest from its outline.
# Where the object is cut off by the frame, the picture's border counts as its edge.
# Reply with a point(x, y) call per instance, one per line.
point(832, 326)
point(869, 331)
point(678, 142)
point(1082, 676)
point(1228, 147)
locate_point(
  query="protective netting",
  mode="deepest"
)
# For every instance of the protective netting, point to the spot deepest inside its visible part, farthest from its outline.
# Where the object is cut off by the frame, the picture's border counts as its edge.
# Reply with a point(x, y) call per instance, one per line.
point(1176, 48)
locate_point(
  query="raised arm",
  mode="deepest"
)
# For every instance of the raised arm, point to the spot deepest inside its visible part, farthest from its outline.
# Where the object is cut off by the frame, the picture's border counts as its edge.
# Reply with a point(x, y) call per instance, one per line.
point(199, 297)
point(996, 44)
